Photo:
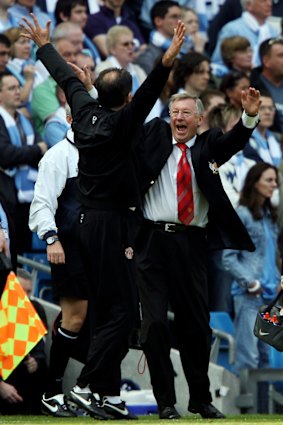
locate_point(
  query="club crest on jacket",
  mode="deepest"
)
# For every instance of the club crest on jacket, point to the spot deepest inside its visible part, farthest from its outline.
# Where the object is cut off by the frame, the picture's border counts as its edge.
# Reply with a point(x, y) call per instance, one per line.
point(213, 166)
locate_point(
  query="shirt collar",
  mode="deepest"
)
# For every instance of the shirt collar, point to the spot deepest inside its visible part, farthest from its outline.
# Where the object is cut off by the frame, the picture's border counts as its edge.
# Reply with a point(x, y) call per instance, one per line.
point(189, 144)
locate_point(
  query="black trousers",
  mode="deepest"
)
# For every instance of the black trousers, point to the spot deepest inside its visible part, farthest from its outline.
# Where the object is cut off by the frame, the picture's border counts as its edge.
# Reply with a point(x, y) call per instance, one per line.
point(172, 268)
point(105, 237)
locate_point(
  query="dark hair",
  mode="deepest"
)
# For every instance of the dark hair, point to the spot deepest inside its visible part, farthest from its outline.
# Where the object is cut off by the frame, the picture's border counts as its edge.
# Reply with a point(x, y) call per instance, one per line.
point(113, 86)
point(186, 66)
point(207, 94)
point(160, 9)
point(266, 46)
point(5, 74)
point(250, 197)
point(5, 40)
point(65, 7)
point(230, 80)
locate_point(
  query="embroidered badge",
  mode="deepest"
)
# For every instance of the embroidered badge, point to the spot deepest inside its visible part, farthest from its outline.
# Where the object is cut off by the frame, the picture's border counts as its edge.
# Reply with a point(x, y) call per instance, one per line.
point(129, 253)
point(213, 166)
point(94, 119)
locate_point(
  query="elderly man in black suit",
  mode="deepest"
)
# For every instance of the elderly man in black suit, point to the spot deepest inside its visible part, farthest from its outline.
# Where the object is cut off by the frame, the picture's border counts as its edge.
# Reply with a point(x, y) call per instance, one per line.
point(186, 212)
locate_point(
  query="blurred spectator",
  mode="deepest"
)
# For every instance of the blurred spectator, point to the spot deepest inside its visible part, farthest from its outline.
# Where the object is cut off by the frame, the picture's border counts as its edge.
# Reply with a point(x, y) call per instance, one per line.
point(22, 66)
point(232, 174)
point(69, 31)
point(6, 20)
point(20, 393)
point(160, 108)
point(21, 149)
point(49, 6)
point(256, 275)
point(252, 24)
point(164, 15)
point(24, 8)
point(59, 123)
point(113, 12)
point(5, 52)
point(210, 98)
point(7, 242)
point(192, 73)
point(64, 31)
point(237, 53)
point(85, 58)
point(196, 41)
point(234, 171)
point(230, 10)
point(269, 77)
point(75, 11)
point(205, 10)
point(263, 144)
point(120, 45)
point(232, 85)
point(44, 101)
point(71, 10)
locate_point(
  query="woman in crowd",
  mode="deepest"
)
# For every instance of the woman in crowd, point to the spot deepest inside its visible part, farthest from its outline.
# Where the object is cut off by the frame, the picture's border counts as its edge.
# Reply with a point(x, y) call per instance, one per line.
point(256, 276)
point(22, 66)
point(195, 41)
point(232, 85)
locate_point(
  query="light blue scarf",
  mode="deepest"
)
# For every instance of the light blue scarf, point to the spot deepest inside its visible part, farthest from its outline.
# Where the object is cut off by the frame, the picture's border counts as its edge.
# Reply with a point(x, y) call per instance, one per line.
point(24, 175)
point(268, 149)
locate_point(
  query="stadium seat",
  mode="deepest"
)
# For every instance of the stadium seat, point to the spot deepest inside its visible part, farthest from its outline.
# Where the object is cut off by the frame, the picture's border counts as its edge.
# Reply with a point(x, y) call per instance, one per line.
point(223, 346)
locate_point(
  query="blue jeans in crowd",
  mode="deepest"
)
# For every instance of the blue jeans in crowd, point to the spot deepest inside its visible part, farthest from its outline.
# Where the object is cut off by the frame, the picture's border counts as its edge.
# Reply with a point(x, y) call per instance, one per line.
point(250, 351)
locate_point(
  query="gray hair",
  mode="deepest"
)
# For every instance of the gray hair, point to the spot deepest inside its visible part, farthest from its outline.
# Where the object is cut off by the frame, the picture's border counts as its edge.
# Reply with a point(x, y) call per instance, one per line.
point(184, 96)
point(114, 33)
point(62, 30)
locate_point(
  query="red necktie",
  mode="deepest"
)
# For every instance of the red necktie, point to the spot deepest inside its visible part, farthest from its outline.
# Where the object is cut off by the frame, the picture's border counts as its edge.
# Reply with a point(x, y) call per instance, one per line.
point(184, 188)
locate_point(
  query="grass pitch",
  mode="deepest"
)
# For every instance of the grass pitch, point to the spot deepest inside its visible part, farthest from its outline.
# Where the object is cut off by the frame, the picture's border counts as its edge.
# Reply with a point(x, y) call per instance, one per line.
point(145, 420)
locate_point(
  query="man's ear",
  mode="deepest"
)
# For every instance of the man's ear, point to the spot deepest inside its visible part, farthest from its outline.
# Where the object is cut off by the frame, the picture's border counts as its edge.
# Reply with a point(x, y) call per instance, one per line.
point(129, 97)
point(200, 120)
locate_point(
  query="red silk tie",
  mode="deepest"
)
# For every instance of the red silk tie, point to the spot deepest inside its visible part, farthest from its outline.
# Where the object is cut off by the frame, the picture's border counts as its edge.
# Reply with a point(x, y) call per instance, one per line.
point(184, 188)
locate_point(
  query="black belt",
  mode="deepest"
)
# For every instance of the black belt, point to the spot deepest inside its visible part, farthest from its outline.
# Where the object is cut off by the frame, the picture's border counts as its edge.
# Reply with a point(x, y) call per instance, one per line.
point(174, 227)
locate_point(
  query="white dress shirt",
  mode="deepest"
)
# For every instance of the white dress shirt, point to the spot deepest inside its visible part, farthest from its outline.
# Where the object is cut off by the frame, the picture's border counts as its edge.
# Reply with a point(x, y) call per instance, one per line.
point(160, 203)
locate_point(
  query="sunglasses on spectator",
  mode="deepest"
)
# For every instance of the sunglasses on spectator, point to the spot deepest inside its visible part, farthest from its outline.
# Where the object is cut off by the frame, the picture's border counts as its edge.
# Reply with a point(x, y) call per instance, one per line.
point(128, 44)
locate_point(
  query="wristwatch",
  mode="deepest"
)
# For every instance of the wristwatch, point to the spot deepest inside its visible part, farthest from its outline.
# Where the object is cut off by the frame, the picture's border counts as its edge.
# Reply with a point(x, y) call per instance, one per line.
point(52, 239)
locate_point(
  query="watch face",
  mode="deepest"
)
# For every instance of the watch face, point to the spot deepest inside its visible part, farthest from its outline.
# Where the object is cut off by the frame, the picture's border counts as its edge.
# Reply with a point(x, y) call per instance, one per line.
point(51, 240)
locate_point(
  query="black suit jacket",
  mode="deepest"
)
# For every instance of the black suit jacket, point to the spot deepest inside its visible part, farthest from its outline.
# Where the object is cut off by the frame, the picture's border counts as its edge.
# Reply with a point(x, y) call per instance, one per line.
point(225, 229)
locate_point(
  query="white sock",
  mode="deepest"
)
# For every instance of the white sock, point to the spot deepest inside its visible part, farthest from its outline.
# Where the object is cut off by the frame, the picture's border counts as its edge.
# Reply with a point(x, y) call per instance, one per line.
point(113, 399)
point(78, 389)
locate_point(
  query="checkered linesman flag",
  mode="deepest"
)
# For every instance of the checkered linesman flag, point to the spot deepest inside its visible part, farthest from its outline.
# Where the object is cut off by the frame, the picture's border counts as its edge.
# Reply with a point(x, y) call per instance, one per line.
point(20, 326)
